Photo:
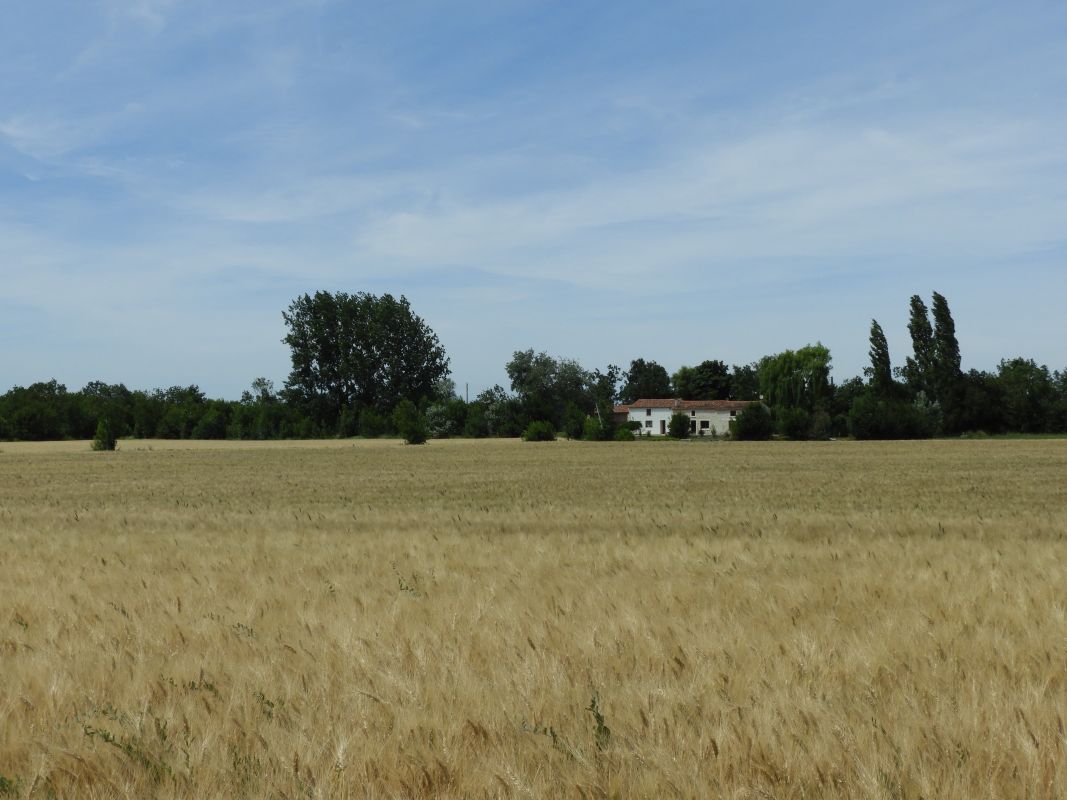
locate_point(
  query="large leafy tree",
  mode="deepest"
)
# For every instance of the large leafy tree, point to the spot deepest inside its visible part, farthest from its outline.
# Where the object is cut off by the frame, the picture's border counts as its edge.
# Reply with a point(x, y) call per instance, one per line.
point(744, 382)
point(1028, 394)
point(545, 386)
point(796, 378)
point(708, 380)
point(919, 368)
point(947, 378)
point(645, 379)
point(880, 371)
point(603, 388)
point(359, 351)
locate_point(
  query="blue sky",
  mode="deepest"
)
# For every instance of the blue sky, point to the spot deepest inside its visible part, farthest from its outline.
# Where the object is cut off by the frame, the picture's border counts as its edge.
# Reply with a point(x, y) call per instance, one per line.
point(604, 181)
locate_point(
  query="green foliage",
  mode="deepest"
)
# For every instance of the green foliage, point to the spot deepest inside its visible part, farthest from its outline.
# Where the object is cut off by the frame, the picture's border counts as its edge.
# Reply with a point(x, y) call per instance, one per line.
point(574, 422)
point(798, 378)
point(545, 387)
point(39, 412)
point(981, 404)
point(873, 417)
point(603, 388)
point(744, 382)
point(503, 414)
point(1028, 394)
point(678, 427)
point(644, 380)
point(447, 417)
point(793, 423)
point(709, 380)
point(348, 424)
point(1020, 396)
point(372, 424)
point(881, 370)
point(919, 369)
point(624, 434)
point(410, 422)
point(752, 424)
point(476, 424)
point(822, 426)
point(105, 438)
point(539, 431)
point(360, 351)
point(211, 425)
point(592, 430)
point(947, 381)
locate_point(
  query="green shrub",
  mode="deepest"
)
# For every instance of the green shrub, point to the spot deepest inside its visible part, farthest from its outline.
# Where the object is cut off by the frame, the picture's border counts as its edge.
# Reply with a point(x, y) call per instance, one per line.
point(212, 425)
point(105, 435)
point(476, 425)
point(793, 423)
point(574, 422)
point(372, 424)
point(348, 424)
point(753, 424)
point(821, 426)
point(539, 431)
point(678, 427)
point(446, 418)
point(624, 435)
point(592, 431)
point(874, 418)
point(410, 422)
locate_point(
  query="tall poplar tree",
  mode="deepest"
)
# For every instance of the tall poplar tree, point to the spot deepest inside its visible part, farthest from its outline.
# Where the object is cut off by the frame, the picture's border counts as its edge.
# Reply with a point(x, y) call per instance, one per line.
point(947, 375)
point(918, 370)
point(880, 371)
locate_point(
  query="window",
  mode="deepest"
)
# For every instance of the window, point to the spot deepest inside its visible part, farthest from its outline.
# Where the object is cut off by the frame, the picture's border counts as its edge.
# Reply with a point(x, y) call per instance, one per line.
point(733, 413)
point(648, 412)
point(704, 424)
point(648, 423)
point(692, 413)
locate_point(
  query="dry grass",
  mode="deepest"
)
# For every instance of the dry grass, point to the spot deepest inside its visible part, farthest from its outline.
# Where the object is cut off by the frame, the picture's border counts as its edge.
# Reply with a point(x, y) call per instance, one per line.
point(772, 621)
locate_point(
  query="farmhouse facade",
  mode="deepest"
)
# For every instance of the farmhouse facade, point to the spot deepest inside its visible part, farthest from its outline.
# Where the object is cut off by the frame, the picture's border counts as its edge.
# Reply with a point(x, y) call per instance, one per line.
point(708, 417)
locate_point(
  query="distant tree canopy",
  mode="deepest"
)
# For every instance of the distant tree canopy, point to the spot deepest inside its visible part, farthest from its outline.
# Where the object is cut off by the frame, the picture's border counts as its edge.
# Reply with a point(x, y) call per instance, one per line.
point(708, 380)
point(881, 369)
point(559, 391)
point(796, 378)
point(645, 379)
point(357, 358)
point(744, 382)
point(919, 367)
point(358, 351)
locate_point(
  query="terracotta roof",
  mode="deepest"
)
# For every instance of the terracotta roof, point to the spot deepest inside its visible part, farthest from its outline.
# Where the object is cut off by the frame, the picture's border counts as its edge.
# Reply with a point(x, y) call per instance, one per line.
point(694, 405)
point(621, 409)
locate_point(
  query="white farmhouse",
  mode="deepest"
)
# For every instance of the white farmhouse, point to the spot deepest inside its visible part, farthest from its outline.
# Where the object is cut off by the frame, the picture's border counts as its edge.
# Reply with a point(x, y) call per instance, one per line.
point(710, 417)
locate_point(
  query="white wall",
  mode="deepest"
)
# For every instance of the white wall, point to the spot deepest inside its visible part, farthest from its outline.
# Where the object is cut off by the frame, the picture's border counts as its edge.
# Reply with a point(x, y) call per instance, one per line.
point(719, 421)
point(658, 415)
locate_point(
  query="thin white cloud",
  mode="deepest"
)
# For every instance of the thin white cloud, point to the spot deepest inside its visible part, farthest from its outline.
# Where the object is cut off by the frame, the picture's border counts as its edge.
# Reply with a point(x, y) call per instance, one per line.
point(805, 193)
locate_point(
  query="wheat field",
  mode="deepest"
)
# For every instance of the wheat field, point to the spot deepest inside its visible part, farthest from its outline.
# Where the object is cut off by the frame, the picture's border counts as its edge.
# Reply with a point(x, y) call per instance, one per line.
point(500, 619)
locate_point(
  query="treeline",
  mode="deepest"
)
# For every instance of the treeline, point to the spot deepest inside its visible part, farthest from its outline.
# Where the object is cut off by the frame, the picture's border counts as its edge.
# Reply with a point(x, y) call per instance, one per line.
point(931, 395)
point(359, 358)
point(47, 410)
